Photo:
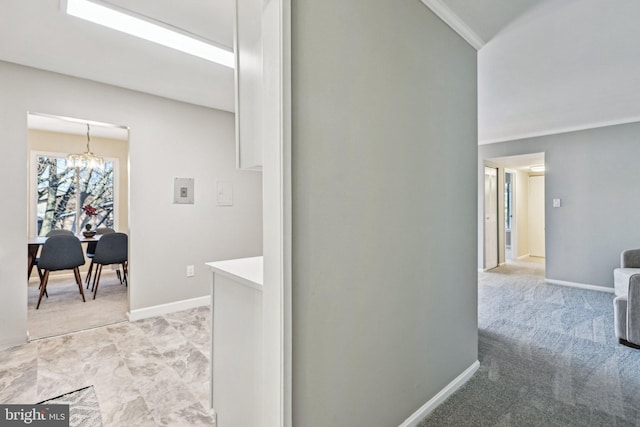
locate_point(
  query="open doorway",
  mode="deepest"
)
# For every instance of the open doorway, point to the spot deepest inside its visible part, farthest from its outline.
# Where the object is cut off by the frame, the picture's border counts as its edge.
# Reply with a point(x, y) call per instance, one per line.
point(75, 198)
point(520, 230)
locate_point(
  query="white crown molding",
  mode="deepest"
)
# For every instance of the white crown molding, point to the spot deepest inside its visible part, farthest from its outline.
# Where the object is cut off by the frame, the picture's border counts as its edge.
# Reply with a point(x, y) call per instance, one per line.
point(559, 130)
point(452, 20)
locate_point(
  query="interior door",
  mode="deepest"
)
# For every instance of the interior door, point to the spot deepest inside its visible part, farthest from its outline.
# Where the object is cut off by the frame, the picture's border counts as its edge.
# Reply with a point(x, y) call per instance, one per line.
point(490, 218)
point(536, 216)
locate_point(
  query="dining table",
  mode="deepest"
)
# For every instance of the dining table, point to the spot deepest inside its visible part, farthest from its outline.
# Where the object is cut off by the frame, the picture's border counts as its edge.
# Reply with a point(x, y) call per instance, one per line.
point(34, 243)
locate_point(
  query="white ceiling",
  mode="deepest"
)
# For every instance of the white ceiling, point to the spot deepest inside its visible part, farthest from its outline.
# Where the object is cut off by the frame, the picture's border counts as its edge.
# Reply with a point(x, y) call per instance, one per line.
point(37, 34)
point(488, 17)
point(42, 36)
point(546, 65)
point(564, 65)
point(76, 127)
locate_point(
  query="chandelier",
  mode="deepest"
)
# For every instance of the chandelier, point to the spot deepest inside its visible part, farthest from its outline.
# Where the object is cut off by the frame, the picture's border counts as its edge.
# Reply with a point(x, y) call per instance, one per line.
point(86, 159)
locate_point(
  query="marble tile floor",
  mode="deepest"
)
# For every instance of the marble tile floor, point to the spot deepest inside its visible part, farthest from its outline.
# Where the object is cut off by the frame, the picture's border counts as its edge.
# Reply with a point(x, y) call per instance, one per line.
point(152, 372)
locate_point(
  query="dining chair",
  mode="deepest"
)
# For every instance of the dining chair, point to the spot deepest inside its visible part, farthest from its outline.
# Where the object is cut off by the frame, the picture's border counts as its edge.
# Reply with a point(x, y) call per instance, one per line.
point(61, 252)
point(91, 250)
point(49, 234)
point(112, 249)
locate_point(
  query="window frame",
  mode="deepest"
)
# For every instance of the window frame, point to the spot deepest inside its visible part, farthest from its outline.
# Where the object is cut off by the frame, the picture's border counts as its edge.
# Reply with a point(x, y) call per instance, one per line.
point(33, 188)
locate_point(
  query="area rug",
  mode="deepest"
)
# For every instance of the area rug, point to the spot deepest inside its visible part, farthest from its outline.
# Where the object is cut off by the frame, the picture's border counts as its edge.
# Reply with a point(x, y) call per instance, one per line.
point(84, 410)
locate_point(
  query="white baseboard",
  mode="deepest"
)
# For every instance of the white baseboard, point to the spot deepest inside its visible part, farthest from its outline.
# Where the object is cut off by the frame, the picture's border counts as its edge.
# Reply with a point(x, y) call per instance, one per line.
point(442, 395)
point(13, 342)
point(523, 256)
point(159, 310)
point(579, 285)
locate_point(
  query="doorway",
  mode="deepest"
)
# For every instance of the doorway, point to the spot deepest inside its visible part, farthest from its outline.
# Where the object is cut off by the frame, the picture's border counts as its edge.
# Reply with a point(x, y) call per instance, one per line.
point(520, 230)
point(58, 195)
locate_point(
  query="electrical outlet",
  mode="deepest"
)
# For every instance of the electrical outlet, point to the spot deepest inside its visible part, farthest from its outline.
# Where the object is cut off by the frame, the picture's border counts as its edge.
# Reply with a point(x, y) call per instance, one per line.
point(191, 271)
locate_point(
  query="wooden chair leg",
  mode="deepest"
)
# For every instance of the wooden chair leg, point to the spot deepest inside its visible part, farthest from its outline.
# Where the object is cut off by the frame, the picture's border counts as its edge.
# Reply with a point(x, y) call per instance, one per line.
point(95, 276)
point(40, 285)
point(76, 272)
point(43, 289)
point(125, 277)
point(119, 275)
point(97, 280)
point(88, 280)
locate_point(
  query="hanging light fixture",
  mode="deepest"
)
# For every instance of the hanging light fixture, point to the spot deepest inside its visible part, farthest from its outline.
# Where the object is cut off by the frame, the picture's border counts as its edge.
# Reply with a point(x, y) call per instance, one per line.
point(87, 159)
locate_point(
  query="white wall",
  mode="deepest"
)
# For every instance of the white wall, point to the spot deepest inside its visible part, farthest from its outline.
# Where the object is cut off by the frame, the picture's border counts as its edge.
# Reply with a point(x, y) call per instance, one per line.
point(167, 139)
point(564, 65)
point(384, 143)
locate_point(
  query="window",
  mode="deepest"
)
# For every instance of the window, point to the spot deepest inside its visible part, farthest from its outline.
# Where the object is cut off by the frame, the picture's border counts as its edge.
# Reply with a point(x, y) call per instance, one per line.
point(62, 192)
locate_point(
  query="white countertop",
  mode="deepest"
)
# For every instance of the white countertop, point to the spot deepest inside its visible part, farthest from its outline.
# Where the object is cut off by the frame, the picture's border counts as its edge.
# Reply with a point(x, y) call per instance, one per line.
point(247, 271)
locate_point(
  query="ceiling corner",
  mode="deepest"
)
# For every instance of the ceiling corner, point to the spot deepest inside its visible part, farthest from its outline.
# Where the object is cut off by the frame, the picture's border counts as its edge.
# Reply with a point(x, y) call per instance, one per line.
point(452, 20)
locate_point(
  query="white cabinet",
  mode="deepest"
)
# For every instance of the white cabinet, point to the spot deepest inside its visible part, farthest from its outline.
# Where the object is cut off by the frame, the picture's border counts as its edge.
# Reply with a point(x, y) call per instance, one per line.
point(236, 353)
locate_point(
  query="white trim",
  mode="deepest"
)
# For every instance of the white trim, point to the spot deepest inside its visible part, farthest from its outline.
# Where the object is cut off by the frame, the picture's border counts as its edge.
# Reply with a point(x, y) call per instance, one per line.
point(442, 395)
point(159, 310)
point(451, 19)
point(276, 57)
point(523, 256)
point(555, 131)
point(579, 285)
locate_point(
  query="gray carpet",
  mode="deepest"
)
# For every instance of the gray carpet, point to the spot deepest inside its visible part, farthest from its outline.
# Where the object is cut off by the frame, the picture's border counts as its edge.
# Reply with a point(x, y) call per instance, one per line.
point(548, 357)
point(64, 311)
point(84, 410)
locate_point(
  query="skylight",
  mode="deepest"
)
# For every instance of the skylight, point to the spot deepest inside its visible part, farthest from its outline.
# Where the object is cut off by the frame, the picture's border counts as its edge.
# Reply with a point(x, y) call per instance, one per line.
point(147, 30)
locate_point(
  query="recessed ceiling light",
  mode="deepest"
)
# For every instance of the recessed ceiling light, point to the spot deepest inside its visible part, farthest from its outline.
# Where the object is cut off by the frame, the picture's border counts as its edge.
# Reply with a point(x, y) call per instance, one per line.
point(147, 30)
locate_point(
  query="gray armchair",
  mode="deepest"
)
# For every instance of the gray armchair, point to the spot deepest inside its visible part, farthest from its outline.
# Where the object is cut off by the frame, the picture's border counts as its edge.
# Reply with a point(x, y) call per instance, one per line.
point(626, 305)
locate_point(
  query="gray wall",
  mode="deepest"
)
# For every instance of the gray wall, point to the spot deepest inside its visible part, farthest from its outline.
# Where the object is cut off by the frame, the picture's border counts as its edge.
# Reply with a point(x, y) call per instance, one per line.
point(596, 174)
point(384, 148)
point(167, 139)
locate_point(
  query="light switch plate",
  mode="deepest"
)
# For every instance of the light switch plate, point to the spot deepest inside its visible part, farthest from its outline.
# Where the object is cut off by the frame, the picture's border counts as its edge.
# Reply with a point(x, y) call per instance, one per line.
point(556, 203)
point(224, 193)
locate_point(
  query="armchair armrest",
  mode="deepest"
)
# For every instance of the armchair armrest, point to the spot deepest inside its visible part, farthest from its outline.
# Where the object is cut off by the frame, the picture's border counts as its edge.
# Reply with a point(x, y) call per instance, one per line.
point(633, 310)
point(630, 258)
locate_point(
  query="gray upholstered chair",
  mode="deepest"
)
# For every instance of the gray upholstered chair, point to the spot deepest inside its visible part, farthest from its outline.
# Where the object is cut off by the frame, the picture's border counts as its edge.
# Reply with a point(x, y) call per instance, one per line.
point(626, 305)
point(91, 250)
point(61, 252)
point(50, 234)
point(112, 249)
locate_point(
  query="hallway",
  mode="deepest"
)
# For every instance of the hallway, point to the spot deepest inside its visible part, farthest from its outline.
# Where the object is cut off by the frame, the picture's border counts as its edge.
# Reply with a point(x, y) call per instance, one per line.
point(548, 356)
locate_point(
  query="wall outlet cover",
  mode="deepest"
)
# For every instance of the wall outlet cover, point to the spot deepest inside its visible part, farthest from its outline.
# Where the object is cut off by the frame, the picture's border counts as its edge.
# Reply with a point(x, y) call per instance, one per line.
point(183, 191)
